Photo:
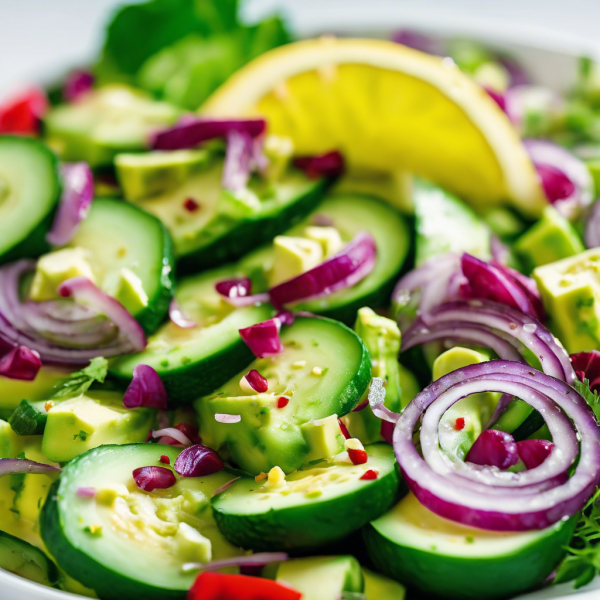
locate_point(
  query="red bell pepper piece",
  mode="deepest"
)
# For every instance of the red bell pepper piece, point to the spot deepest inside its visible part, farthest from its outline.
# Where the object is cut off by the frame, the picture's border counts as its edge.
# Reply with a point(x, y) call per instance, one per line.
point(221, 586)
point(22, 113)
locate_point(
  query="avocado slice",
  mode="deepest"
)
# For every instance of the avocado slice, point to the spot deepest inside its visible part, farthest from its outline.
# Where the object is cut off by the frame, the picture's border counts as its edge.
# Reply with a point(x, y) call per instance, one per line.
point(380, 587)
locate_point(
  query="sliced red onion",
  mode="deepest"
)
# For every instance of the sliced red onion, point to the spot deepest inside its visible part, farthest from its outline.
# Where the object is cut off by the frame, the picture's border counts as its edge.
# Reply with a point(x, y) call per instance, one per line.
point(77, 84)
point(234, 288)
point(330, 164)
point(192, 131)
point(344, 429)
point(587, 366)
point(145, 390)
point(495, 449)
point(499, 327)
point(527, 285)
point(190, 432)
point(534, 452)
point(83, 291)
point(86, 492)
point(486, 497)
point(286, 317)
point(256, 381)
point(387, 431)
point(500, 251)
point(252, 560)
point(20, 363)
point(173, 433)
point(566, 180)
point(344, 269)
point(149, 479)
point(497, 97)
point(419, 41)
point(496, 282)
point(226, 418)
point(238, 161)
point(178, 317)
point(377, 401)
point(225, 486)
point(591, 233)
point(11, 466)
point(198, 461)
point(263, 338)
point(361, 406)
point(75, 202)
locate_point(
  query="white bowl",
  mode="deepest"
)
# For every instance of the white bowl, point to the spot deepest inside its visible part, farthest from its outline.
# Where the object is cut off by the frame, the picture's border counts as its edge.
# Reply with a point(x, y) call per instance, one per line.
point(536, 48)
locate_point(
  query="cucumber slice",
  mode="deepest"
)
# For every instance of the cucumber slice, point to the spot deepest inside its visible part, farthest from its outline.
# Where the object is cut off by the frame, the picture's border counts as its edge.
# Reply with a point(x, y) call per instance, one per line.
point(320, 577)
point(330, 493)
point(445, 224)
point(126, 543)
point(108, 120)
point(379, 587)
point(218, 228)
point(22, 558)
point(418, 548)
point(324, 370)
point(194, 362)
point(30, 188)
point(120, 235)
point(350, 213)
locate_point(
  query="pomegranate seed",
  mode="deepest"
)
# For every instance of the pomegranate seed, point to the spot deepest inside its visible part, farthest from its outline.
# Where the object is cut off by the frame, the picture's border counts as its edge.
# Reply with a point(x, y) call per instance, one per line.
point(370, 474)
point(358, 457)
point(344, 429)
point(198, 461)
point(152, 478)
point(191, 205)
point(165, 460)
point(282, 402)
point(459, 424)
point(190, 432)
point(256, 381)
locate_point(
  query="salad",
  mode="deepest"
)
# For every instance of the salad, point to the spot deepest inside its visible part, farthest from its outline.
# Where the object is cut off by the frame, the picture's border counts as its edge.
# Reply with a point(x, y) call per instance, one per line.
point(287, 320)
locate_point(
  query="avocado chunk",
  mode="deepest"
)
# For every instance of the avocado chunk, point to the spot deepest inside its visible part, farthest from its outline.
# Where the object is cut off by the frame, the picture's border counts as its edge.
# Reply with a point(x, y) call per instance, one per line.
point(418, 548)
point(54, 268)
point(323, 370)
point(379, 587)
point(109, 120)
point(142, 175)
point(130, 291)
point(474, 411)
point(320, 577)
point(90, 420)
point(550, 239)
point(324, 438)
point(570, 290)
point(445, 224)
point(292, 256)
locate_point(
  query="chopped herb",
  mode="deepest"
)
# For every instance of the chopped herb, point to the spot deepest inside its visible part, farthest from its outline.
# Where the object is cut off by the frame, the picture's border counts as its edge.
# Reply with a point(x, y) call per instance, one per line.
point(78, 383)
point(470, 539)
point(82, 435)
point(592, 398)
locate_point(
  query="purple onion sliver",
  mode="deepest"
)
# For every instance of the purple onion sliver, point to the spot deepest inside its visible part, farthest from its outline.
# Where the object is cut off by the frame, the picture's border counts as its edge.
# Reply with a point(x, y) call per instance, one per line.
point(361, 406)
point(11, 466)
point(86, 492)
point(152, 478)
point(234, 288)
point(263, 338)
point(178, 317)
point(227, 418)
point(173, 433)
point(198, 461)
point(75, 202)
point(419, 41)
point(494, 448)
point(253, 560)
point(534, 452)
point(238, 161)
point(145, 390)
point(77, 84)
point(376, 399)
point(225, 486)
point(330, 164)
point(20, 363)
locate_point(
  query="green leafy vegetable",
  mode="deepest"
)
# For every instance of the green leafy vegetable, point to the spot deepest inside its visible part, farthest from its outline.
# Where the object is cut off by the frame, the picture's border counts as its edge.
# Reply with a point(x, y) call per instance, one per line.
point(17, 483)
point(592, 398)
point(82, 435)
point(78, 383)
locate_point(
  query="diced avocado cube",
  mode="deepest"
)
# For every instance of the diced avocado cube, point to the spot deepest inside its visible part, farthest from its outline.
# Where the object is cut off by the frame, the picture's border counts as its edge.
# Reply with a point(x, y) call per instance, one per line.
point(464, 421)
point(130, 292)
point(10, 444)
point(329, 238)
point(54, 268)
point(279, 150)
point(324, 438)
point(147, 174)
point(320, 577)
point(192, 546)
point(293, 256)
point(550, 239)
point(570, 290)
point(90, 420)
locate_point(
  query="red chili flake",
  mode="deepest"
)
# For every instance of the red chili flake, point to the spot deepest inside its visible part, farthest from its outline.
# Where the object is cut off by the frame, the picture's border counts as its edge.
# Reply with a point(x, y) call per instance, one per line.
point(165, 460)
point(358, 457)
point(282, 402)
point(370, 474)
point(459, 424)
point(191, 205)
point(344, 429)
point(190, 431)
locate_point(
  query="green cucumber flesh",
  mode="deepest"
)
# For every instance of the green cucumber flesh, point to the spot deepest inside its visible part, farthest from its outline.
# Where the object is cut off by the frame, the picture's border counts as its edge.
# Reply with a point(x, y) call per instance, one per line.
point(320, 577)
point(194, 362)
point(127, 543)
point(120, 235)
point(324, 369)
point(255, 515)
point(380, 587)
point(445, 224)
point(204, 237)
point(438, 556)
point(22, 558)
point(520, 420)
point(350, 213)
point(30, 188)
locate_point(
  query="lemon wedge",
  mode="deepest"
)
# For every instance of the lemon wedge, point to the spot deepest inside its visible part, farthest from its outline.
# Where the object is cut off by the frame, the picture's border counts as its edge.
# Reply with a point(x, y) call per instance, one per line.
point(387, 108)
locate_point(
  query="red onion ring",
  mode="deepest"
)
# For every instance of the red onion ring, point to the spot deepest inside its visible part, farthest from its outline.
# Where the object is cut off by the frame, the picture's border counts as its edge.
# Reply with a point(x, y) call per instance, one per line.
point(253, 560)
point(174, 433)
point(227, 418)
point(238, 161)
point(519, 507)
point(178, 317)
point(10, 466)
